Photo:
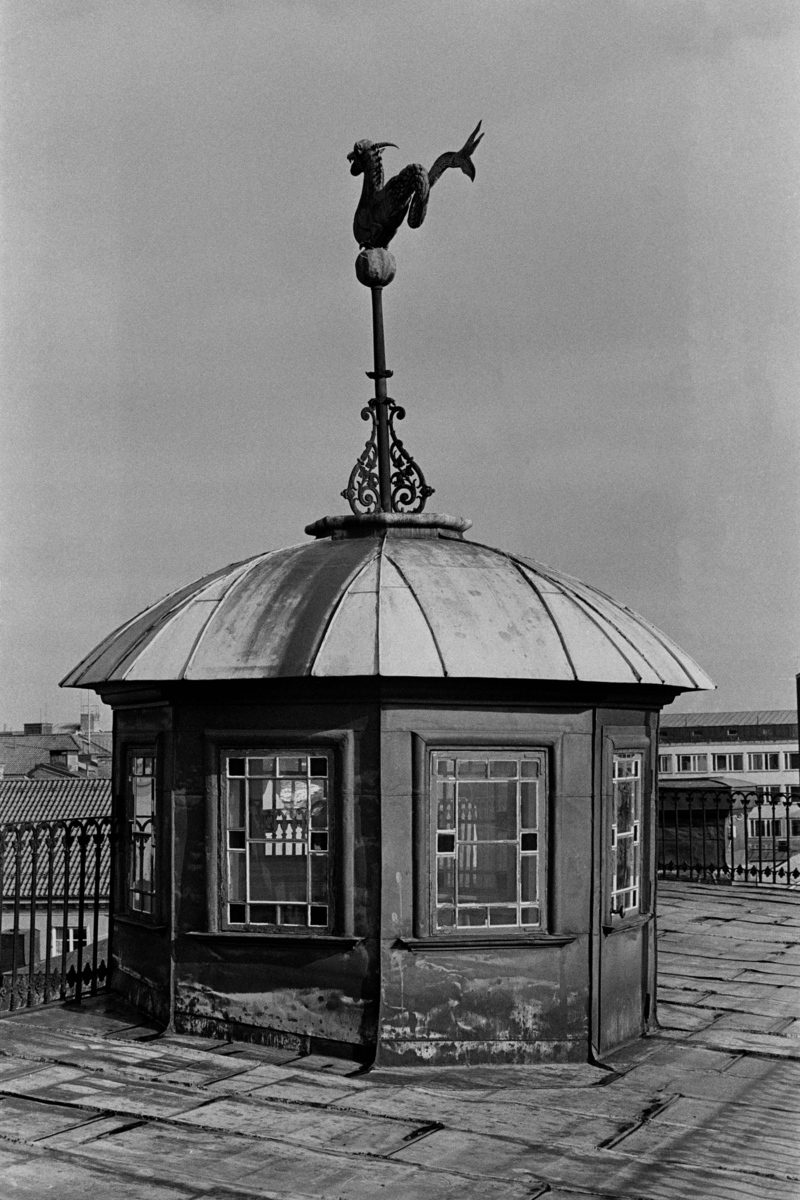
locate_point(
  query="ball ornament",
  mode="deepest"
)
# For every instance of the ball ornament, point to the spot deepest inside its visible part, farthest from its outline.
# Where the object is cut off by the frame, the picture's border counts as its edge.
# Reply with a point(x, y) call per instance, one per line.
point(375, 267)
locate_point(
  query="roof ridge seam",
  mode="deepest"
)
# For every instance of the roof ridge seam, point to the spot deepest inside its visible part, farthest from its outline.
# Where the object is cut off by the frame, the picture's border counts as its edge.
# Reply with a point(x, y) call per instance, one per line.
point(518, 568)
point(242, 575)
point(335, 608)
point(418, 603)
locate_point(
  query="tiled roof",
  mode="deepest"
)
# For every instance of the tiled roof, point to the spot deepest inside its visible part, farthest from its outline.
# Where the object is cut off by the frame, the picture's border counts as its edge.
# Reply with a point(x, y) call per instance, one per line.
point(21, 753)
point(703, 720)
point(53, 799)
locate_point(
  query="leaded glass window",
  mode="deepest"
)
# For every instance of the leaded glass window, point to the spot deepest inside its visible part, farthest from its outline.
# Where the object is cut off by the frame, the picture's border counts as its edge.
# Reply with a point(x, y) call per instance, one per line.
point(626, 868)
point(141, 811)
point(489, 817)
point(277, 830)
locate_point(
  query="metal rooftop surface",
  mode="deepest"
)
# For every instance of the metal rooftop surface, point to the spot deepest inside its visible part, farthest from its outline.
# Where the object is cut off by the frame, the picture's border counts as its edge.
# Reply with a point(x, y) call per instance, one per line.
point(703, 720)
point(390, 595)
point(93, 1102)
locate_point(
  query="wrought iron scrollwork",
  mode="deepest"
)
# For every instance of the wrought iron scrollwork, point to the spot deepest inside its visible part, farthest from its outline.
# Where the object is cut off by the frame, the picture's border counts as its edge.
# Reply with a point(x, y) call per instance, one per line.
point(409, 491)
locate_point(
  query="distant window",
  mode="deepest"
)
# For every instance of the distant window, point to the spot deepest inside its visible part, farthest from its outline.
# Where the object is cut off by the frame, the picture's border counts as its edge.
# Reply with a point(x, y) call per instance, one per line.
point(771, 793)
point(763, 762)
point(728, 762)
point(141, 811)
point(278, 838)
point(795, 828)
point(766, 827)
point(791, 761)
point(665, 764)
point(75, 936)
point(692, 762)
point(733, 733)
point(489, 835)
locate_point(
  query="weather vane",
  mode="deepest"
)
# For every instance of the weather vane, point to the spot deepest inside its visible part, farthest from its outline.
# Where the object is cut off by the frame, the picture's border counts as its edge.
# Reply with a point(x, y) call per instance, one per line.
point(386, 478)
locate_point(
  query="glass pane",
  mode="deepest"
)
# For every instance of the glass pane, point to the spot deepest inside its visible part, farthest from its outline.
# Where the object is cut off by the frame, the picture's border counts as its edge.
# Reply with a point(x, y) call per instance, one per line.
point(236, 803)
point(277, 876)
point(318, 797)
point(472, 916)
point(143, 797)
point(237, 839)
point(446, 880)
point(487, 811)
point(445, 843)
point(263, 914)
point(445, 918)
point(445, 805)
point(502, 916)
point(319, 879)
point(487, 873)
point(293, 914)
point(260, 805)
point(237, 913)
point(318, 766)
point(446, 766)
point(318, 915)
point(529, 793)
point(236, 766)
point(238, 876)
point(474, 768)
point(625, 804)
point(530, 916)
point(530, 767)
point(626, 865)
point(261, 766)
point(292, 766)
point(529, 841)
point(529, 877)
point(319, 841)
point(503, 768)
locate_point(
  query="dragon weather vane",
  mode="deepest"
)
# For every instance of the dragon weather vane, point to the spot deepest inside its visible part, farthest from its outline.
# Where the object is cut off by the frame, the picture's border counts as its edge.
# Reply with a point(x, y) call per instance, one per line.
point(386, 478)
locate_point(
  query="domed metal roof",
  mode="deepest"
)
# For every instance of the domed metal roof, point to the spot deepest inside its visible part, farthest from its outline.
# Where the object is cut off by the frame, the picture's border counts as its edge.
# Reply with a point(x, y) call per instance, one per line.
point(411, 598)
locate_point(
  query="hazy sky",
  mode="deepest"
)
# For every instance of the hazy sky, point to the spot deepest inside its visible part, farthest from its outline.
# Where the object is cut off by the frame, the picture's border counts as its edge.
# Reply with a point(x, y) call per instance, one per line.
point(597, 342)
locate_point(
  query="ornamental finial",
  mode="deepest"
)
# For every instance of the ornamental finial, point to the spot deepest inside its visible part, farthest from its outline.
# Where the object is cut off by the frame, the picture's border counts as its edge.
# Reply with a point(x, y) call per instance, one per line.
point(386, 478)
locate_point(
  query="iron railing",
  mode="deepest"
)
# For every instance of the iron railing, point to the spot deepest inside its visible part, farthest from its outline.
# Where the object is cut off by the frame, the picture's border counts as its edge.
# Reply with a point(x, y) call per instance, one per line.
point(726, 836)
point(55, 884)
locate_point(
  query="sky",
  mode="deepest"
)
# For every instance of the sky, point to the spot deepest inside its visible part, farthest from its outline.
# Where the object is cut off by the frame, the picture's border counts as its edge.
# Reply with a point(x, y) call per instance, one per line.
point(597, 342)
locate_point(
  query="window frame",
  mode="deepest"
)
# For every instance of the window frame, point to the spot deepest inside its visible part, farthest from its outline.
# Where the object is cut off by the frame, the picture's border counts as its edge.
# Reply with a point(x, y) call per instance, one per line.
point(276, 751)
point(621, 740)
point(425, 935)
point(130, 749)
point(340, 745)
point(534, 753)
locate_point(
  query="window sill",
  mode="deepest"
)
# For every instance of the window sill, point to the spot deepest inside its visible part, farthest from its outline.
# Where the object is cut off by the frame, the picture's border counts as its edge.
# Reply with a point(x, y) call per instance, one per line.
point(492, 941)
point(633, 922)
point(138, 922)
point(276, 939)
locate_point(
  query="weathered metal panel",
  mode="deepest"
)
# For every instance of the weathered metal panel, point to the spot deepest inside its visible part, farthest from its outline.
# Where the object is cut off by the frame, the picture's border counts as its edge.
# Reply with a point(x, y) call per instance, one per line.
point(592, 652)
point(486, 618)
point(406, 645)
point(350, 644)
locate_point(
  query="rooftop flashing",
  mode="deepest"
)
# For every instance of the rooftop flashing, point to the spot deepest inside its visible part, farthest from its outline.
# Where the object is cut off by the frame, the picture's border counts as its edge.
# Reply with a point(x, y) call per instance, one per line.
point(357, 525)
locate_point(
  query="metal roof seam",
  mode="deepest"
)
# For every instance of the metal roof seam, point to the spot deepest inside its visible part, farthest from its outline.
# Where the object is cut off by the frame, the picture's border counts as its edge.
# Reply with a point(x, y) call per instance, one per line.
point(379, 604)
point(421, 608)
point(312, 661)
point(597, 620)
point(608, 619)
point(524, 575)
point(664, 640)
point(249, 565)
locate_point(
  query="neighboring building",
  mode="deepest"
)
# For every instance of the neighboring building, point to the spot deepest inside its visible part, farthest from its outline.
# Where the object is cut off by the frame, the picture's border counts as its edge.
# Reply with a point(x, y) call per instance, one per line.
point(45, 751)
point(750, 749)
point(48, 806)
point(753, 755)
